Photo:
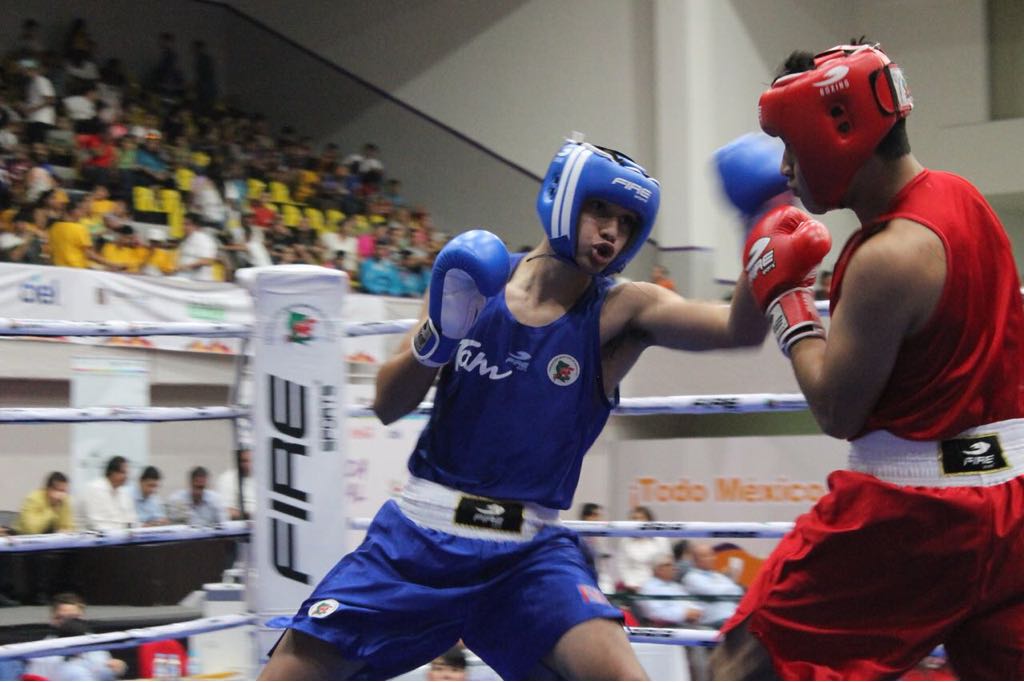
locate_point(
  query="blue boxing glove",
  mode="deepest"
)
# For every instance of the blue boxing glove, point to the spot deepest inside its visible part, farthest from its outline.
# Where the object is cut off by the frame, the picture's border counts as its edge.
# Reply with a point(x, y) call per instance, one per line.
point(471, 268)
point(749, 169)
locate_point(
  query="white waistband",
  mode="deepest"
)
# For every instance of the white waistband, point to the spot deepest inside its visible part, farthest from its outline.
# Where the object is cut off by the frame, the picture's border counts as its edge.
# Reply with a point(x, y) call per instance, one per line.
point(986, 455)
point(452, 511)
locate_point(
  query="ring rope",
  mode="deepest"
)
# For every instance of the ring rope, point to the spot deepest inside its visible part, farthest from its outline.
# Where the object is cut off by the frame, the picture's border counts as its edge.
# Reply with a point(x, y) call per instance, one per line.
point(31, 327)
point(128, 536)
point(687, 404)
point(682, 404)
point(240, 529)
point(67, 646)
point(61, 415)
point(666, 529)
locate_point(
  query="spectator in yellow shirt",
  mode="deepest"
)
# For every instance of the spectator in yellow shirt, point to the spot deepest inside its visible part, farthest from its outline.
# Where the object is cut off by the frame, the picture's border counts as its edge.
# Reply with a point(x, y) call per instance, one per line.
point(162, 258)
point(70, 243)
point(100, 202)
point(47, 510)
point(126, 250)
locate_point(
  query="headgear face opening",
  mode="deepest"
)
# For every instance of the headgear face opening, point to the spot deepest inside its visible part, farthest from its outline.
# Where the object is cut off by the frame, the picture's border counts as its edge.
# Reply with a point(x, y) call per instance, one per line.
point(580, 172)
point(833, 116)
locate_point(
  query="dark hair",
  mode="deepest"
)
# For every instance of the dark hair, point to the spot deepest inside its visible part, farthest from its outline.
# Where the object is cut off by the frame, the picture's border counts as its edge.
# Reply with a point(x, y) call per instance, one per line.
point(646, 511)
point(454, 657)
point(150, 473)
point(589, 509)
point(895, 144)
point(680, 548)
point(66, 598)
point(55, 478)
point(115, 463)
point(194, 218)
point(198, 472)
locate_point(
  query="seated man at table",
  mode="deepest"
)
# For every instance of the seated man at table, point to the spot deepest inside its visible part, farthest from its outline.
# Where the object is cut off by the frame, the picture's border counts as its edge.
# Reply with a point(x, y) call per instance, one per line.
point(148, 505)
point(107, 503)
point(195, 505)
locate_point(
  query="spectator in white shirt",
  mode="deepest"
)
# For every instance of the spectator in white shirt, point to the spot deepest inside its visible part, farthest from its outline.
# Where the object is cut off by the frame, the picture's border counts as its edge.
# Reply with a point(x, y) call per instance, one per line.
point(636, 556)
point(662, 583)
point(343, 240)
point(40, 97)
point(81, 109)
point(107, 503)
point(206, 200)
point(197, 252)
point(227, 487)
point(702, 579)
point(195, 505)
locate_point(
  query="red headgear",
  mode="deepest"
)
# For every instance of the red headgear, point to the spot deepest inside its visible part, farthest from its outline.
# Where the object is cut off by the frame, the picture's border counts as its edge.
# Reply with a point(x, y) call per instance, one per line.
point(833, 116)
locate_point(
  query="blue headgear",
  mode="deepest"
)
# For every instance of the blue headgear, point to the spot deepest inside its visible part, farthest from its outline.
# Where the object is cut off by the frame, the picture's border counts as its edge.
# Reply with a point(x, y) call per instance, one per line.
point(581, 171)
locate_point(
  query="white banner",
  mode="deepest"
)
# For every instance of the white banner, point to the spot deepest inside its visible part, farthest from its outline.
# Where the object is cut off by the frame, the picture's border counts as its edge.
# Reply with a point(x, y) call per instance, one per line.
point(108, 382)
point(79, 295)
point(298, 420)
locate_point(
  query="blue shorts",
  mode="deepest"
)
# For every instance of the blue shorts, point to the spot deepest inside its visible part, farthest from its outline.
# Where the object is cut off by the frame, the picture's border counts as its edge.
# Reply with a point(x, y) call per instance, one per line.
point(408, 593)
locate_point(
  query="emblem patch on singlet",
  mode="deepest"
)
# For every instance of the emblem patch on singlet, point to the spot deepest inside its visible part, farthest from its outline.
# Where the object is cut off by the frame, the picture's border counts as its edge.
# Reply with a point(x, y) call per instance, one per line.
point(323, 608)
point(480, 513)
point(563, 370)
point(976, 455)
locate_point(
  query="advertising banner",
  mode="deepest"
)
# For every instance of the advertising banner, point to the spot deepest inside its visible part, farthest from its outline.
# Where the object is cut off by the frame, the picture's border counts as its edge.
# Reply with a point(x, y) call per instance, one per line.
point(79, 295)
point(107, 382)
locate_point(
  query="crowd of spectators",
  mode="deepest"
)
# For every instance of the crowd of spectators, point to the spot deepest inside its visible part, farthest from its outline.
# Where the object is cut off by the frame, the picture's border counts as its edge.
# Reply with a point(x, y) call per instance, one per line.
point(152, 174)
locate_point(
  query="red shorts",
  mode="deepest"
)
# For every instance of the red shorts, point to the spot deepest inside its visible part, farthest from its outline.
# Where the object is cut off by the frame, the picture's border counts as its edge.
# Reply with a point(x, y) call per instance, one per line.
point(876, 575)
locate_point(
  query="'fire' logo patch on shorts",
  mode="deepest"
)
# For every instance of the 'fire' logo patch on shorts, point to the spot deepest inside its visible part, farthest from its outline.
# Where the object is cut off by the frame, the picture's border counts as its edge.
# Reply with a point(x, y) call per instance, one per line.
point(975, 455)
point(490, 514)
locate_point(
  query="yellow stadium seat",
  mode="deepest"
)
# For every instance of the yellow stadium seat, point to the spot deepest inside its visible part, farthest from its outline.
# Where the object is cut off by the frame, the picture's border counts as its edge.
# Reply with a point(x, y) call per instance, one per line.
point(334, 216)
point(143, 199)
point(279, 192)
point(183, 178)
point(170, 200)
point(256, 188)
point(316, 218)
point(291, 215)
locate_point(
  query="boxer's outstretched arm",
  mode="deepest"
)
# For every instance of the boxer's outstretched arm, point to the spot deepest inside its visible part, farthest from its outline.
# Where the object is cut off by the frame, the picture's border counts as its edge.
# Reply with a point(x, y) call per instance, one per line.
point(663, 318)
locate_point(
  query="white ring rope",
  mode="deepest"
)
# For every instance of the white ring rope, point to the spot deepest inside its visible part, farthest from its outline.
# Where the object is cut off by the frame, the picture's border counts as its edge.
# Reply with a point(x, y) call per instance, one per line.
point(680, 636)
point(684, 404)
point(58, 415)
point(30, 327)
point(240, 529)
point(375, 328)
point(664, 529)
point(132, 536)
point(680, 404)
point(67, 646)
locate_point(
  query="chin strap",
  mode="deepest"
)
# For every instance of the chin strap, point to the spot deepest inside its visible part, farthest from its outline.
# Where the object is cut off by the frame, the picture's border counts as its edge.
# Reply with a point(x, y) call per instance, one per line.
point(556, 256)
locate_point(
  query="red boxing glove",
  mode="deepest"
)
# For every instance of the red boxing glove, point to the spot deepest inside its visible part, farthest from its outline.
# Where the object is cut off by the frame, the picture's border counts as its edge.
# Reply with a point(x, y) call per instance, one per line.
point(783, 250)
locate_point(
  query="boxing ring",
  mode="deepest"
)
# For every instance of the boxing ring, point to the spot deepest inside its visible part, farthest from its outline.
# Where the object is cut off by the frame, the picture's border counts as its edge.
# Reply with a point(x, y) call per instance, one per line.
point(298, 415)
